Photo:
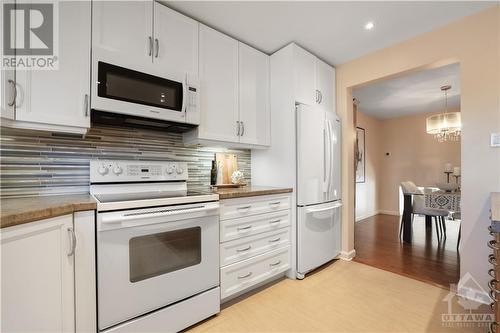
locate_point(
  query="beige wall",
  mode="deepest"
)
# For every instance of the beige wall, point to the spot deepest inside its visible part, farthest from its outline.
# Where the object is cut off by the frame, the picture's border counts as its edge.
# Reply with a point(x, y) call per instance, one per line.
point(474, 42)
point(367, 197)
point(414, 155)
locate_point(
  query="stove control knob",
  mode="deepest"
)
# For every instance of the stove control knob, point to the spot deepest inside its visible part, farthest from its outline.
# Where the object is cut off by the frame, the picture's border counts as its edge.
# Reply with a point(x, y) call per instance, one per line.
point(117, 170)
point(180, 171)
point(170, 170)
point(103, 170)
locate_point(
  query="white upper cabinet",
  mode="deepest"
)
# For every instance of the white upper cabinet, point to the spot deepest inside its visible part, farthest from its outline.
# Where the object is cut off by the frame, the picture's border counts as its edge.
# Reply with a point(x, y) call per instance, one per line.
point(7, 86)
point(325, 85)
point(304, 64)
point(218, 86)
point(255, 116)
point(38, 276)
point(314, 80)
point(123, 29)
point(175, 41)
point(61, 97)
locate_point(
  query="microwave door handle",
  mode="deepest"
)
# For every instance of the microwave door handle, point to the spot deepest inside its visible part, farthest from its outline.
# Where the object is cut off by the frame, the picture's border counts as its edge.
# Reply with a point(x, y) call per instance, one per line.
point(184, 95)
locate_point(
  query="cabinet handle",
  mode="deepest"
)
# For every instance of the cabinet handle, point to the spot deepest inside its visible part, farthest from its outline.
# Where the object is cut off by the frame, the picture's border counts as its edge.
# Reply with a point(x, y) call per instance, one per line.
point(277, 203)
point(245, 276)
point(275, 240)
point(157, 47)
point(317, 96)
point(86, 105)
point(242, 128)
point(72, 241)
point(275, 221)
point(150, 46)
point(244, 228)
point(275, 264)
point(244, 207)
point(245, 249)
point(238, 128)
point(14, 92)
point(320, 97)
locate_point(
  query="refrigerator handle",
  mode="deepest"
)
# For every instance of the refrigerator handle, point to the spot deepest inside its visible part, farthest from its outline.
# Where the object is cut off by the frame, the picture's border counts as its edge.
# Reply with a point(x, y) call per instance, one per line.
point(327, 161)
point(330, 157)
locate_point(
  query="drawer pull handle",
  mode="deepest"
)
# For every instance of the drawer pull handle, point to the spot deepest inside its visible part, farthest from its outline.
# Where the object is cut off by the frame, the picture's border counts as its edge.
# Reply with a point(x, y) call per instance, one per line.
point(492, 244)
point(275, 221)
point(274, 240)
point(244, 207)
point(275, 264)
point(277, 203)
point(245, 249)
point(244, 228)
point(245, 276)
point(492, 260)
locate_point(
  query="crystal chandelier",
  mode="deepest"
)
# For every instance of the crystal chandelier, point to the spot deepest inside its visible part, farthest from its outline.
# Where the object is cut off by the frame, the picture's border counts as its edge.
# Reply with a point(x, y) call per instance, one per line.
point(445, 126)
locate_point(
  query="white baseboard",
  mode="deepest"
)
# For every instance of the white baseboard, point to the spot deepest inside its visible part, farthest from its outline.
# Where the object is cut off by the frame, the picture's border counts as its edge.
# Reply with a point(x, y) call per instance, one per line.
point(388, 212)
point(347, 256)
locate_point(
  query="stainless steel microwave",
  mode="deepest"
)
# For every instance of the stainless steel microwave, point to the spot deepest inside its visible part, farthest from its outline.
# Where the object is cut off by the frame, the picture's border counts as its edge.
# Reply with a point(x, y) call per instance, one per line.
point(168, 96)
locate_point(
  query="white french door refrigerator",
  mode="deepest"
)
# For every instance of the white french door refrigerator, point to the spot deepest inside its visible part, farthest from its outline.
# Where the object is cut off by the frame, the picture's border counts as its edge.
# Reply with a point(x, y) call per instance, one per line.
point(318, 187)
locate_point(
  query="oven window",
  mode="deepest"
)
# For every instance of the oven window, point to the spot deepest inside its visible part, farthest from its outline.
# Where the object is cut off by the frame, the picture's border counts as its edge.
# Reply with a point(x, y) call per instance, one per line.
point(165, 252)
point(131, 86)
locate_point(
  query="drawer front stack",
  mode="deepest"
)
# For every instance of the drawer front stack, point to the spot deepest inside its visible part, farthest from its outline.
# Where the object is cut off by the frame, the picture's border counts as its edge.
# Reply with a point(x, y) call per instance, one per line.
point(254, 241)
point(494, 272)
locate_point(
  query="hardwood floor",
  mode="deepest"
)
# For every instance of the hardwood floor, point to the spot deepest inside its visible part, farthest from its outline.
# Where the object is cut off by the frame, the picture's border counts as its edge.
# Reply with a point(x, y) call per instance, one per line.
point(426, 259)
point(342, 297)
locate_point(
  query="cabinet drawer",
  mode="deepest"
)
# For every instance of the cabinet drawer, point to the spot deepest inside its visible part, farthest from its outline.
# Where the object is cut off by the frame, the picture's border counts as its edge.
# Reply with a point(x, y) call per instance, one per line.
point(240, 207)
point(247, 247)
point(252, 225)
point(244, 274)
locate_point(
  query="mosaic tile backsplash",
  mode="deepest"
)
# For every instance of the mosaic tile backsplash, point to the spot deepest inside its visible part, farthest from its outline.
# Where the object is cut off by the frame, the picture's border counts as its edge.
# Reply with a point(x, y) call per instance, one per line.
point(42, 163)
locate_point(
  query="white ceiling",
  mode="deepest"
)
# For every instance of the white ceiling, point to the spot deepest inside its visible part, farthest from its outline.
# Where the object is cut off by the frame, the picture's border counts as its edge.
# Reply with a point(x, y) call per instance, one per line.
point(410, 94)
point(332, 30)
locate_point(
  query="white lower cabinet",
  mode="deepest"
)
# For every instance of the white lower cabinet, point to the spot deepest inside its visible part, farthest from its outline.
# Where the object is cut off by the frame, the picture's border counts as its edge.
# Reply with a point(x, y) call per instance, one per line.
point(244, 274)
point(254, 248)
point(38, 276)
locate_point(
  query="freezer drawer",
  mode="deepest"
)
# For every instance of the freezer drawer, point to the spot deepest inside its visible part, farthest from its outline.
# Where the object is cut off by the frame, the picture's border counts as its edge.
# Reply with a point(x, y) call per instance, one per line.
point(319, 228)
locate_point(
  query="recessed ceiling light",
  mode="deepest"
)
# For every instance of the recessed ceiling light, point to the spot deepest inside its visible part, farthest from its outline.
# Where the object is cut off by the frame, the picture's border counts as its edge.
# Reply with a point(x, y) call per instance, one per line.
point(369, 25)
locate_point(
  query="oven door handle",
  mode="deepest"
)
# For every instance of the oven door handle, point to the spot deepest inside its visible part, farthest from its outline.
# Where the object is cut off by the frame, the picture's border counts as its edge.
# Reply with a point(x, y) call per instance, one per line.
point(127, 221)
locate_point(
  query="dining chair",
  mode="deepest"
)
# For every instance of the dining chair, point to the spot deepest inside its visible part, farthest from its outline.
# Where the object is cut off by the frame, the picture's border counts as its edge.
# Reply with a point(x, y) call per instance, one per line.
point(418, 207)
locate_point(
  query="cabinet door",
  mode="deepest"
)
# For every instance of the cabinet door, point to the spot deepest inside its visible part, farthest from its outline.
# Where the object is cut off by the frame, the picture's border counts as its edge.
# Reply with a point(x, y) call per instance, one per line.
point(304, 76)
point(123, 29)
point(175, 41)
point(255, 116)
point(7, 86)
point(61, 97)
point(37, 277)
point(325, 84)
point(219, 86)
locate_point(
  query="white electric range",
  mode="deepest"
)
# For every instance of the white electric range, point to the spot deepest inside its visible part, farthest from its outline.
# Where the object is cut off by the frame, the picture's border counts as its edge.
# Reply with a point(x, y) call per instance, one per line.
point(157, 247)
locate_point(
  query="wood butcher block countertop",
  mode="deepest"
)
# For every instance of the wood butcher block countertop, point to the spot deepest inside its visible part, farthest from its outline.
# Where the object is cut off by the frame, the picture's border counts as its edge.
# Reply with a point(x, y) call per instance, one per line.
point(249, 191)
point(16, 211)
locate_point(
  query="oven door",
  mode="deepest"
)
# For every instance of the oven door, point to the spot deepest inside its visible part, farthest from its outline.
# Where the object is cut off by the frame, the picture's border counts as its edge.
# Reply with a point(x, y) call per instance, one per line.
point(142, 90)
point(149, 258)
